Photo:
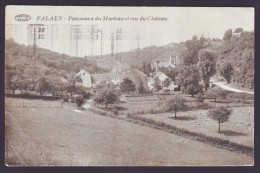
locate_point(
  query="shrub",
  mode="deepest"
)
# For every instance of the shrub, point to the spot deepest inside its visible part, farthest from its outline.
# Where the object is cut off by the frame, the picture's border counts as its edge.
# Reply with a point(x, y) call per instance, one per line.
point(79, 100)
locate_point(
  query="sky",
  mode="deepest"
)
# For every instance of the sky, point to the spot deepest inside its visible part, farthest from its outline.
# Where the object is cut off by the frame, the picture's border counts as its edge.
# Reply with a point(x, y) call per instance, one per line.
point(182, 22)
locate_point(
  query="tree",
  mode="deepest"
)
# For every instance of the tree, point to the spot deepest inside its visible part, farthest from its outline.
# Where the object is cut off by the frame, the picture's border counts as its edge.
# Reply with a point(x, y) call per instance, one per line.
point(43, 85)
point(237, 30)
point(56, 86)
point(217, 92)
point(175, 104)
point(85, 92)
point(127, 86)
point(227, 72)
point(193, 89)
point(71, 85)
point(141, 89)
point(79, 100)
point(200, 97)
point(9, 74)
point(220, 114)
point(106, 95)
point(14, 83)
point(157, 84)
point(167, 82)
point(188, 76)
point(146, 68)
point(190, 54)
point(227, 35)
point(213, 93)
point(206, 65)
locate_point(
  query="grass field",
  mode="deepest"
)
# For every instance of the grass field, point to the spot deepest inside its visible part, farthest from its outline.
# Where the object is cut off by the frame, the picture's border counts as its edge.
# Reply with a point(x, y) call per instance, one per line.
point(67, 137)
point(239, 128)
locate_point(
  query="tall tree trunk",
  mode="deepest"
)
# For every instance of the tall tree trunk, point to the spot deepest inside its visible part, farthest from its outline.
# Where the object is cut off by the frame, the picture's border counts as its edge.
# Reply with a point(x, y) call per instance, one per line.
point(219, 127)
point(175, 114)
point(206, 81)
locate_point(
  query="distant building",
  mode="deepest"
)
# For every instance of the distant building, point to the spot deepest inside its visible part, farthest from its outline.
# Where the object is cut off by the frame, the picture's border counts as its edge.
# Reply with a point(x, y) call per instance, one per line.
point(237, 34)
point(167, 61)
point(119, 67)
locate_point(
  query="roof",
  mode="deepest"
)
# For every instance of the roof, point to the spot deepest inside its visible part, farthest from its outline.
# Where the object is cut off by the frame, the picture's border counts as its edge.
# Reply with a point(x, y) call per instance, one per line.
point(82, 70)
point(105, 76)
point(140, 72)
point(160, 75)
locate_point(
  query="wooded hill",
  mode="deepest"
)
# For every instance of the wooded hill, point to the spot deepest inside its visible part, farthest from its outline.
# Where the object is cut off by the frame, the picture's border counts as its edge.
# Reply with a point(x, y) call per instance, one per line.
point(239, 52)
point(45, 62)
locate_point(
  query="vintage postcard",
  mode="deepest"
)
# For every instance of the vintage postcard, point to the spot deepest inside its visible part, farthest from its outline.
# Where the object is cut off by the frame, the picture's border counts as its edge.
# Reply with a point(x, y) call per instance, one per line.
point(129, 86)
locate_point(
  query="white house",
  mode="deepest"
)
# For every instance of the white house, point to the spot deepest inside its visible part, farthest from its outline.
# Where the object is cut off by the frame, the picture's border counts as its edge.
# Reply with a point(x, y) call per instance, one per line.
point(236, 34)
point(85, 77)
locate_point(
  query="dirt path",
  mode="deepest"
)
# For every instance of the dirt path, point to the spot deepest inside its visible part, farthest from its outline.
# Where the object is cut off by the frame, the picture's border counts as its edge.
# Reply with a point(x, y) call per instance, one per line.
point(225, 86)
point(63, 137)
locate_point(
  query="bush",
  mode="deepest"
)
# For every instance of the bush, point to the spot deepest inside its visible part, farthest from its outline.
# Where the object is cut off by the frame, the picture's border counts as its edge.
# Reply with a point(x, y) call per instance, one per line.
point(79, 100)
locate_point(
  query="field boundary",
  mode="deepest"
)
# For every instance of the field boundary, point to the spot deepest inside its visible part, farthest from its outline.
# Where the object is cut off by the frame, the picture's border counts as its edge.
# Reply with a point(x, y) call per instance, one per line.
point(213, 141)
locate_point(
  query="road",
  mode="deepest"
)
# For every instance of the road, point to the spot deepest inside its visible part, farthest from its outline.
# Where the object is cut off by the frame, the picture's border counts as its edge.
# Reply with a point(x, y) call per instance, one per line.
point(225, 86)
point(63, 137)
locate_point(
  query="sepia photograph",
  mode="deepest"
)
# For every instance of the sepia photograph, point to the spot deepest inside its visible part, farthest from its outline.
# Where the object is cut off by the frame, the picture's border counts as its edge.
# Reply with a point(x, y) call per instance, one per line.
point(129, 86)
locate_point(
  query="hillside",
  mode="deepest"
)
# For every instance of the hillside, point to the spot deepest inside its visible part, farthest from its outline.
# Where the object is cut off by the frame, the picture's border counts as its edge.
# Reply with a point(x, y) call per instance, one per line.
point(239, 51)
point(21, 58)
point(136, 57)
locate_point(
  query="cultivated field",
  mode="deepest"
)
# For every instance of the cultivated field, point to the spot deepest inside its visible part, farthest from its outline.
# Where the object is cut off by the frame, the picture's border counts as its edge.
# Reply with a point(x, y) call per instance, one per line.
point(65, 137)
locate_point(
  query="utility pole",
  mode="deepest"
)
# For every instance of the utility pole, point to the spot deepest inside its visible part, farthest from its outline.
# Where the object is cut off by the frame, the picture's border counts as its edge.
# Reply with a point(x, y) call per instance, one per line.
point(112, 43)
point(101, 46)
point(92, 40)
point(34, 41)
point(118, 38)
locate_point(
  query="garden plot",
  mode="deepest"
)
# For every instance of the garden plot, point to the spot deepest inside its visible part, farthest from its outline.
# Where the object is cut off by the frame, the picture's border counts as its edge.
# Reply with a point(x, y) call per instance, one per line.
point(239, 128)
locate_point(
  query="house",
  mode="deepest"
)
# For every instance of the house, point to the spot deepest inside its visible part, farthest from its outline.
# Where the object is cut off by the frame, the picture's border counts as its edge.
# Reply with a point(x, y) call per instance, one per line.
point(91, 80)
point(105, 78)
point(166, 60)
point(236, 34)
point(85, 77)
point(162, 78)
